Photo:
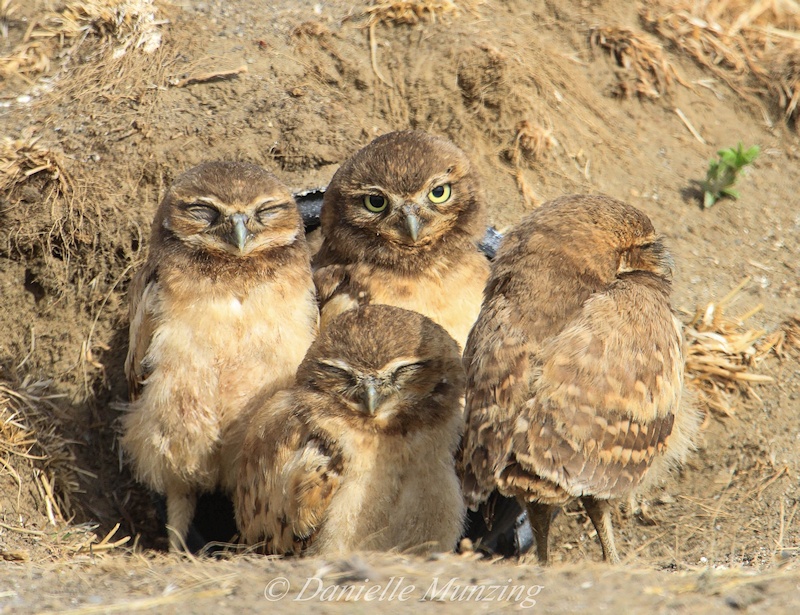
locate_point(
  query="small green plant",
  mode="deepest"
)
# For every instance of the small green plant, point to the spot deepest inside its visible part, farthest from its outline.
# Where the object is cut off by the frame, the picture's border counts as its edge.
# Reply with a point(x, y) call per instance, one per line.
point(721, 174)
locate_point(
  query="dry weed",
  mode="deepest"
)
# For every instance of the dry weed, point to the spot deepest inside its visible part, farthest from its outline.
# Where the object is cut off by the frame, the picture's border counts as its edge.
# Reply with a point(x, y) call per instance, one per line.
point(40, 461)
point(397, 12)
point(413, 11)
point(721, 353)
point(791, 329)
point(784, 338)
point(784, 79)
point(754, 47)
point(531, 142)
point(124, 23)
point(46, 208)
point(31, 446)
point(654, 75)
point(58, 224)
point(22, 158)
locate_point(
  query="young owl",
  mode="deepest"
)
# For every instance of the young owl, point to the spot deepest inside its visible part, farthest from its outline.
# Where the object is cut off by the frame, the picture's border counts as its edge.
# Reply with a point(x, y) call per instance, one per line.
point(575, 366)
point(224, 307)
point(359, 454)
point(401, 220)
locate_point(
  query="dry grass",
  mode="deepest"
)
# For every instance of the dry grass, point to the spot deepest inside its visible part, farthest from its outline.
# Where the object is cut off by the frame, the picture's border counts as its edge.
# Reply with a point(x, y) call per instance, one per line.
point(65, 222)
point(721, 354)
point(413, 11)
point(785, 338)
point(47, 209)
point(124, 23)
point(791, 331)
point(41, 463)
point(23, 158)
point(168, 584)
point(754, 47)
point(399, 12)
point(531, 142)
point(653, 75)
point(31, 446)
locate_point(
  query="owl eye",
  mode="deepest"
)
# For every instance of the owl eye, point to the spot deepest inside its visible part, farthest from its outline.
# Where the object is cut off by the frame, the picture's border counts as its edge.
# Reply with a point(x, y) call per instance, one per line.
point(409, 370)
point(375, 203)
point(439, 194)
point(334, 368)
point(265, 213)
point(204, 212)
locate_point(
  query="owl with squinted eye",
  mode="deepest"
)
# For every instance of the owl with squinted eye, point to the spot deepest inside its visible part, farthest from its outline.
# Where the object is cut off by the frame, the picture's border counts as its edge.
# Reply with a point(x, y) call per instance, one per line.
point(359, 453)
point(575, 366)
point(401, 220)
point(224, 307)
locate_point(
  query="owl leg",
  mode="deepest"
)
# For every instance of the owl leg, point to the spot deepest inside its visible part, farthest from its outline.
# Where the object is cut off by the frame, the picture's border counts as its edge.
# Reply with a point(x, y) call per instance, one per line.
point(180, 511)
point(599, 512)
point(539, 516)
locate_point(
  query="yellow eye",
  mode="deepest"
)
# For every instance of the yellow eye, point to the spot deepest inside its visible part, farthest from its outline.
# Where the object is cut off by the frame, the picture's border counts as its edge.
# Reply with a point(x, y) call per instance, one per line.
point(439, 194)
point(375, 203)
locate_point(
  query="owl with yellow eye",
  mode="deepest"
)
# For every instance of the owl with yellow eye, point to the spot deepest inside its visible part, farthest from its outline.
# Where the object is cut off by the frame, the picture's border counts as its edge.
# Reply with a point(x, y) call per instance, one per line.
point(401, 221)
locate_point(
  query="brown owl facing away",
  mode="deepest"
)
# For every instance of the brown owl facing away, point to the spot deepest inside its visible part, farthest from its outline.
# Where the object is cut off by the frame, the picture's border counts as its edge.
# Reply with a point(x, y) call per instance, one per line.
point(575, 366)
point(224, 307)
point(359, 454)
point(401, 220)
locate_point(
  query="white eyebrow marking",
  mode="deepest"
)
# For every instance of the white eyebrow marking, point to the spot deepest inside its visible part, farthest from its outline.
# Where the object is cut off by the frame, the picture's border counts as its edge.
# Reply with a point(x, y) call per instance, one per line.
point(374, 188)
point(210, 200)
point(338, 364)
point(395, 364)
point(266, 201)
point(438, 180)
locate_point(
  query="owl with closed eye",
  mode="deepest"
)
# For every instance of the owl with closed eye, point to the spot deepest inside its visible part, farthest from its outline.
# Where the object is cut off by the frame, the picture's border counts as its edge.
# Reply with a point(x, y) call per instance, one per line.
point(223, 308)
point(359, 453)
point(401, 220)
point(575, 366)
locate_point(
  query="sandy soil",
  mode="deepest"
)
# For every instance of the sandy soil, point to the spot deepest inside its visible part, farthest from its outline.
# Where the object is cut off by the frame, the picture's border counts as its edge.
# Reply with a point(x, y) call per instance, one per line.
point(114, 129)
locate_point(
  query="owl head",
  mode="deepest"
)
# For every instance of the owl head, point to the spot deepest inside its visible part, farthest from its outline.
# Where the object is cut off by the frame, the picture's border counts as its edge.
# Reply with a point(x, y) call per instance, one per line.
point(405, 199)
point(227, 210)
point(385, 369)
point(593, 234)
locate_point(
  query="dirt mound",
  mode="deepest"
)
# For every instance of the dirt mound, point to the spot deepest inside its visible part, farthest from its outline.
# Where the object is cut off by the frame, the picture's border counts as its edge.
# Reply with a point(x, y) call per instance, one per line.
point(105, 102)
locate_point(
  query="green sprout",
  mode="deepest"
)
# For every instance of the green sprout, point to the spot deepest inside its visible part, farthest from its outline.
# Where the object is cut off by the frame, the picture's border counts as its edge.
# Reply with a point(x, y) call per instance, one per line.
point(721, 174)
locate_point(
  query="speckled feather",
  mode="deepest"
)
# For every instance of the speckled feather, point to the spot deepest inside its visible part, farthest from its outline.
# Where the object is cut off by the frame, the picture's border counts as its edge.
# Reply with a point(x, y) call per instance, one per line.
point(211, 325)
point(575, 365)
point(319, 474)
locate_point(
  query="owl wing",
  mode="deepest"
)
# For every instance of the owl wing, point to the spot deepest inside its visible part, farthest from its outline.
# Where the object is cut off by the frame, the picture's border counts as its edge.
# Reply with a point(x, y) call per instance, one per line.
point(141, 298)
point(336, 292)
point(496, 359)
point(603, 397)
point(288, 476)
point(330, 280)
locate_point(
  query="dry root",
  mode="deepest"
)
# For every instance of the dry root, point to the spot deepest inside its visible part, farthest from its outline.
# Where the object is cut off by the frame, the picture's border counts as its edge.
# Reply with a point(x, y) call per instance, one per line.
point(754, 47)
point(721, 355)
point(413, 11)
point(653, 75)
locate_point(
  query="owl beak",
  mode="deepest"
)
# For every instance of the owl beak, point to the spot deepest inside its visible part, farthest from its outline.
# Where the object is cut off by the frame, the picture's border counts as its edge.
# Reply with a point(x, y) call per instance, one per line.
point(239, 234)
point(412, 224)
point(371, 397)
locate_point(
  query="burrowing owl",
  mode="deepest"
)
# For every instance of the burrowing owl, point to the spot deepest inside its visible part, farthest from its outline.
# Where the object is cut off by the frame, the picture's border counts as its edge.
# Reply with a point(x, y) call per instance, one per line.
point(575, 365)
point(224, 307)
point(401, 220)
point(359, 455)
